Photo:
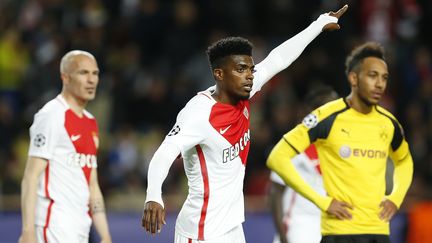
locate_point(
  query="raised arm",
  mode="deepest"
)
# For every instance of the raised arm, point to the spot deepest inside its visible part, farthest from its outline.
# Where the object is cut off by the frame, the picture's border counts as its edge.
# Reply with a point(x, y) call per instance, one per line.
point(287, 52)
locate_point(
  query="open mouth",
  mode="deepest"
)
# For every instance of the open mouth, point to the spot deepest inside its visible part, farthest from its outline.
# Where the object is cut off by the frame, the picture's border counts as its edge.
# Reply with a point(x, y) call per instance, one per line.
point(248, 87)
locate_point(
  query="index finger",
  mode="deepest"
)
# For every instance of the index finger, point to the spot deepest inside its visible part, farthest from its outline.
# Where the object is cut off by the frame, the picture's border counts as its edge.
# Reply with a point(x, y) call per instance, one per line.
point(340, 12)
point(386, 214)
point(145, 221)
point(347, 205)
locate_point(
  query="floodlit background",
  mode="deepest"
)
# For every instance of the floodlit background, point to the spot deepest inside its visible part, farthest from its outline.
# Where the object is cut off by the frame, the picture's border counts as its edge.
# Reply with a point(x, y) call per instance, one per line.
point(152, 59)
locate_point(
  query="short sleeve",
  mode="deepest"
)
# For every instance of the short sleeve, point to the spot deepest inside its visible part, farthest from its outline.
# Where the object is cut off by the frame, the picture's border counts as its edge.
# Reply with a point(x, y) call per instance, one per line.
point(43, 135)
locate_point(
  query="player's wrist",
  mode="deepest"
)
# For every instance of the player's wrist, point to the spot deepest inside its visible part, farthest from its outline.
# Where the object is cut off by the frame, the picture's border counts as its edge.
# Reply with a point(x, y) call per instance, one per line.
point(28, 231)
point(325, 204)
point(106, 238)
point(325, 19)
point(155, 199)
point(393, 200)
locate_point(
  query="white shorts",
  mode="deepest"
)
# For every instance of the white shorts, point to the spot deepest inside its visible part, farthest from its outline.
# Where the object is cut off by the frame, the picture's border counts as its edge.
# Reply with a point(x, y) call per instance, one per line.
point(236, 235)
point(307, 230)
point(59, 235)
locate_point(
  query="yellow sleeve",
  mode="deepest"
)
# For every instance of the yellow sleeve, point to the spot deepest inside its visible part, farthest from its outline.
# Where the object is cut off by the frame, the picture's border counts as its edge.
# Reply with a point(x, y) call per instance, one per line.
point(403, 172)
point(279, 161)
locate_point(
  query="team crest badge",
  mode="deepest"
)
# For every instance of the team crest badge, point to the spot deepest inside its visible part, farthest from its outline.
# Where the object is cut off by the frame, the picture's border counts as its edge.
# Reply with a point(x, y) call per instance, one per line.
point(95, 139)
point(383, 133)
point(246, 113)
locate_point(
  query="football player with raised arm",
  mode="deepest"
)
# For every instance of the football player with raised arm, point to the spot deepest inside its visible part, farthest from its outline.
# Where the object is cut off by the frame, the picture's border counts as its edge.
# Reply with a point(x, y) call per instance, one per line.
point(213, 137)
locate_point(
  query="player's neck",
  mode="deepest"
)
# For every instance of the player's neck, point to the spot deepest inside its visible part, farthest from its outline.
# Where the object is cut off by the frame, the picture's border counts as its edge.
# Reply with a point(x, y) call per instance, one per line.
point(358, 104)
point(224, 98)
point(76, 105)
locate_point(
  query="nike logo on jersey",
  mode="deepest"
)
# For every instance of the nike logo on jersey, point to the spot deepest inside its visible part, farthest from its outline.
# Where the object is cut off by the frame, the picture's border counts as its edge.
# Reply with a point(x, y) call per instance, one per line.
point(75, 137)
point(222, 131)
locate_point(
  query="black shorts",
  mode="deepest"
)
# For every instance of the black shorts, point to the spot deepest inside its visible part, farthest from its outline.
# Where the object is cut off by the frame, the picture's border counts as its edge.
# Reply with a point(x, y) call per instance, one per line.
point(366, 238)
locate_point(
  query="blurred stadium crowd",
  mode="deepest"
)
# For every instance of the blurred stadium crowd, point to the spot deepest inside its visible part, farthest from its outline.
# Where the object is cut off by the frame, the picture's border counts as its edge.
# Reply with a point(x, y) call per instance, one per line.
point(152, 59)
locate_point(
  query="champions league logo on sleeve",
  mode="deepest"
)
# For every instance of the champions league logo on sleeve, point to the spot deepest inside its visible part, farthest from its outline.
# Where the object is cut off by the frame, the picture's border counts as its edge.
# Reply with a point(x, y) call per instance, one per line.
point(310, 121)
point(174, 131)
point(39, 140)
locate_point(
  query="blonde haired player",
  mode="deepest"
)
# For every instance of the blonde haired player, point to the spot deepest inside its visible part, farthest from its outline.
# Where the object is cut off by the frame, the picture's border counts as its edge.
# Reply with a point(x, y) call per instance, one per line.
point(60, 191)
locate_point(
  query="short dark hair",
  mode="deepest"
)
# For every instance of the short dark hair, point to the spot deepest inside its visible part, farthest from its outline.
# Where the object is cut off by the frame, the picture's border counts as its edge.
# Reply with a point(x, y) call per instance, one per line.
point(318, 95)
point(226, 47)
point(369, 49)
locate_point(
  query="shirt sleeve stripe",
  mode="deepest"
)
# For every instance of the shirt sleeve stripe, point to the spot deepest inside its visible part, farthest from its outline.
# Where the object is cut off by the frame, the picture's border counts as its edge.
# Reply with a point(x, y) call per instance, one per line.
point(291, 145)
point(322, 129)
point(398, 135)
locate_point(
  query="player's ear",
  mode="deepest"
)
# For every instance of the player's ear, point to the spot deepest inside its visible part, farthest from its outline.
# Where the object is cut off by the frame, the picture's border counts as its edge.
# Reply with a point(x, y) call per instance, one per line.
point(218, 74)
point(65, 78)
point(353, 79)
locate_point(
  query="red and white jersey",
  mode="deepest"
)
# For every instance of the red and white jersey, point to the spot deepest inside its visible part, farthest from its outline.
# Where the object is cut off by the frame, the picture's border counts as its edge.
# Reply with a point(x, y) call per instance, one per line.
point(69, 144)
point(297, 209)
point(214, 140)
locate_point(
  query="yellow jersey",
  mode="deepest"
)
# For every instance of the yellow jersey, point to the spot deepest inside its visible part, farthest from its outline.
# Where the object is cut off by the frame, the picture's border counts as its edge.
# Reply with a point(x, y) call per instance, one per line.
point(353, 149)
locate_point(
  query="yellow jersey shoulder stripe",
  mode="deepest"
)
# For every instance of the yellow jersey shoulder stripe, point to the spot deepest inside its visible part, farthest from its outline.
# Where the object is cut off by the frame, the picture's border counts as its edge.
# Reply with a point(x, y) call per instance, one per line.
point(330, 108)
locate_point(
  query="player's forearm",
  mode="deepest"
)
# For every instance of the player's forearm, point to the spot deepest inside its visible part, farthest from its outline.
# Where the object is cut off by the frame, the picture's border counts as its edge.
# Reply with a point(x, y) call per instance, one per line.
point(287, 52)
point(158, 171)
point(279, 161)
point(275, 200)
point(34, 168)
point(97, 208)
point(98, 212)
point(101, 224)
point(402, 178)
point(28, 203)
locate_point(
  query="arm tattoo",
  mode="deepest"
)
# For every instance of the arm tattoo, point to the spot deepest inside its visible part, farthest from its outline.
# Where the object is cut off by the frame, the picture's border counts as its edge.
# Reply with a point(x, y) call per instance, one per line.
point(97, 205)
